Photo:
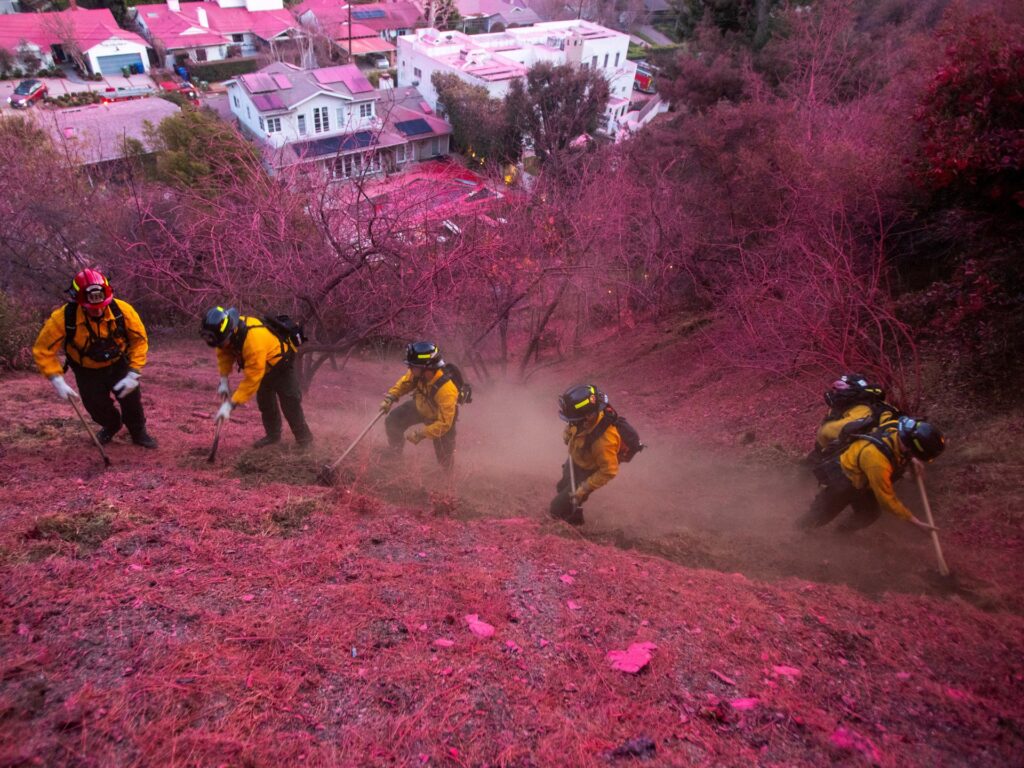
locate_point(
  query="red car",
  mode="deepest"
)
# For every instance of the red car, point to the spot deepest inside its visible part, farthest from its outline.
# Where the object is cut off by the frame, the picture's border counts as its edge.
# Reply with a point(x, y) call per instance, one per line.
point(27, 92)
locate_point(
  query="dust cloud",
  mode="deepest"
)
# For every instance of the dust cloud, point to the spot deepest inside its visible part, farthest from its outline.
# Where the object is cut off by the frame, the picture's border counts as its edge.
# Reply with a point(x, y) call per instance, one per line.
point(702, 506)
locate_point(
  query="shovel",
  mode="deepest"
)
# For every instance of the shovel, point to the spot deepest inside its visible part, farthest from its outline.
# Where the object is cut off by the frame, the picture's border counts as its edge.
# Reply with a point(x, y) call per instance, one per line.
point(919, 474)
point(106, 459)
point(326, 476)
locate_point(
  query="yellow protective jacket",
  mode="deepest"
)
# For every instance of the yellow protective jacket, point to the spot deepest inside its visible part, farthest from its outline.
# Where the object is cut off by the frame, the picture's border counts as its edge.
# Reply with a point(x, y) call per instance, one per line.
point(831, 430)
point(440, 408)
point(50, 341)
point(260, 352)
point(602, 456)
point(866, 466)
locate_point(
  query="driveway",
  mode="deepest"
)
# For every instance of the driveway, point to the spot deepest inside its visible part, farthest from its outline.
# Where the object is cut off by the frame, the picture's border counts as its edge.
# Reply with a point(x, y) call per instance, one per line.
point(654, 35)
point(59, 85)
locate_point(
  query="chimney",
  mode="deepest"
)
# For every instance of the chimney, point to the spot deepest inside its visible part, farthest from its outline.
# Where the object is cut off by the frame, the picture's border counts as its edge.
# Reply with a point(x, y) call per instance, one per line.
point(385, 83)
point(174, 5)
point(204, 22)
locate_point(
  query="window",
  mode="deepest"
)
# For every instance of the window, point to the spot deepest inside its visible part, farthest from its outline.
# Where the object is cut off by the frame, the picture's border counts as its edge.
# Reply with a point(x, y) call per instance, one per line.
point(616, 59)
point(239, 38)
point(263, 127)
point(606, 61)
point(200, 54)
point(273, 125)
point(435, 146)
point(583, 65)
point(416, 73)
point(248, 112)
point(321, 121)
point(302, 125)
point(401, 154)
point(341, 116)
point(366, 110)
point(235, 97)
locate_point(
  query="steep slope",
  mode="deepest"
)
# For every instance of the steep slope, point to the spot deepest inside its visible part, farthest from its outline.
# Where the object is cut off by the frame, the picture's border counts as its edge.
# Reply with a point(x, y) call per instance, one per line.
point(171, 612)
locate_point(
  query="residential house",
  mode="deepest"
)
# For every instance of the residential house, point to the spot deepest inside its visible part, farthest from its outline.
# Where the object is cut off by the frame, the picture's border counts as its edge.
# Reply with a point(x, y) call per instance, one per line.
point(494, 60)
point(371, 28)
point(333, 117)
point(99, 136)
point(659, 11)
point(478, 16)
point(89, 37)
point(210, 31)
point(9, 6)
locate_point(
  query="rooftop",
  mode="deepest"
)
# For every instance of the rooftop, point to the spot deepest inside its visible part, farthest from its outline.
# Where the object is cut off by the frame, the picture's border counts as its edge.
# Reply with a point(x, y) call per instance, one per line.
point(97, 133)
point(89, 27)
point(281, 86)
point(183, 29)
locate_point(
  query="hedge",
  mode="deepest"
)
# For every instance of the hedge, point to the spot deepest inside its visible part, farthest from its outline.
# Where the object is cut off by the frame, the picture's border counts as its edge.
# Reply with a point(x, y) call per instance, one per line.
point(225, 69)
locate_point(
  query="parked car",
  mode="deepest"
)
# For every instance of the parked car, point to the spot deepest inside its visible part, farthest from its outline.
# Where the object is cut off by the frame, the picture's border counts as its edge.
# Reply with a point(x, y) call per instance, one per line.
point(27, 92)
point(379, 61)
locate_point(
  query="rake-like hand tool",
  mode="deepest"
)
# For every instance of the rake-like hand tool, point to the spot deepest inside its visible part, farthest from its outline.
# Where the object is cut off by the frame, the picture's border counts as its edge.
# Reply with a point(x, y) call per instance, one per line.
point(81, 418)
point(326, 476)
point(919, 474)
point(216, 437)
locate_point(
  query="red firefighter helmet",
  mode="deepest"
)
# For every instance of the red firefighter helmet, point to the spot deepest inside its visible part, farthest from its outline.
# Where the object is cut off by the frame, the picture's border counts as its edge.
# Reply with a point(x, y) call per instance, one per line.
point(91, 289)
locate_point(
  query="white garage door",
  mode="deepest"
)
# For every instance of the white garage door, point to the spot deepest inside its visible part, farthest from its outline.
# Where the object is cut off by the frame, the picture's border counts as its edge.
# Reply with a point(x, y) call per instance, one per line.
point(111, 65)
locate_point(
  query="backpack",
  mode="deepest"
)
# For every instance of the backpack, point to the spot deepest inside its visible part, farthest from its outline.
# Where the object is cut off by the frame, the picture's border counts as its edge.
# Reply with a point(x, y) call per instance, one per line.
point(453, 374)
point(630, 444)
point(830, 468)
point(286, 329)
point(71, 326)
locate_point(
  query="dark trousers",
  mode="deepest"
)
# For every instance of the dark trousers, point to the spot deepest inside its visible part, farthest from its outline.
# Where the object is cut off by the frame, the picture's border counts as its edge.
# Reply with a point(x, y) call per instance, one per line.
point(281, 383)
point(96, 386)
point(837, 496)
point(404, 416)
point(561, 505)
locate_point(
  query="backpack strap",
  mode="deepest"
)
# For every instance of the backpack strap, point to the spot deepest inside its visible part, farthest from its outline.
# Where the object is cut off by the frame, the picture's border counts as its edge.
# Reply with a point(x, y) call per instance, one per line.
point(71, 323)
point(436, 386)
point(609, 419)
point(876, 439)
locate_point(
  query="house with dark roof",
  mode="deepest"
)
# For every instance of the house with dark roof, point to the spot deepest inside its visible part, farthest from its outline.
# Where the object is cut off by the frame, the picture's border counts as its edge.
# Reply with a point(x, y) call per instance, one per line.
point(334, 117)
point(494, 15)
point(214, 30)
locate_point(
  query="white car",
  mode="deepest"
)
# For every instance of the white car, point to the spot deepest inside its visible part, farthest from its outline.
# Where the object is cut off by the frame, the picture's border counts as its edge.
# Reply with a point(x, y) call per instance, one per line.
point(379, 61)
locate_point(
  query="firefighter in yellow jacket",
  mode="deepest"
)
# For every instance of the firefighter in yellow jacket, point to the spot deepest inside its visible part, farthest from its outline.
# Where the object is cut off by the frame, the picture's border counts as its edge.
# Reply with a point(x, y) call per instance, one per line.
point(594, 445)
point(862, 476)
point(435, 404)
point(105, 345)
point(268, 371)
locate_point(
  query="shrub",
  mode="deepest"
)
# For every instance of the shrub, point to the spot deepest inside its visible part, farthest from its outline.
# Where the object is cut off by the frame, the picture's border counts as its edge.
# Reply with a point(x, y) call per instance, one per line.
point(16, 336)
point(216, 71)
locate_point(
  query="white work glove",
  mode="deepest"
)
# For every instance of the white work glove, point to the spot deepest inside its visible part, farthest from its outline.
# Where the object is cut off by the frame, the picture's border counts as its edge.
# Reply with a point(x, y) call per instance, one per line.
point(224, 412)
point(922, 524)
point(224, 390)
point(127, 385)
point(63, 390)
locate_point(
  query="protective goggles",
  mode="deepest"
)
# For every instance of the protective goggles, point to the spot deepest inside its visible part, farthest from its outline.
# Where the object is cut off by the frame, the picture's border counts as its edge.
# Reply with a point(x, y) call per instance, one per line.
point(94, 294)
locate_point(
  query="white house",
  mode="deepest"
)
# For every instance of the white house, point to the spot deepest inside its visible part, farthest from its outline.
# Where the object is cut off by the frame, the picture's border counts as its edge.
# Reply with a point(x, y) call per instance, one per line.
point(49, 38)
point(210, 31)
point(495, 60)
point(334, 117)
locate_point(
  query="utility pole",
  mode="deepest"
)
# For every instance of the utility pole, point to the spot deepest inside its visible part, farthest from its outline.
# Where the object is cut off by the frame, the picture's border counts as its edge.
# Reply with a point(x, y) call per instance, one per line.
point(350, 32)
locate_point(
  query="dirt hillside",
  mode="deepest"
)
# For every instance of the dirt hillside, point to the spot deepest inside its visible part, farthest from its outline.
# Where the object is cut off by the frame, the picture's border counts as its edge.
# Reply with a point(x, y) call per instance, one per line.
point(171, 612)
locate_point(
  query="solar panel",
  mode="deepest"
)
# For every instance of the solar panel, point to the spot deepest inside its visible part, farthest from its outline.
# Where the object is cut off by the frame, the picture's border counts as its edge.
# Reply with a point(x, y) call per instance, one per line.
point(414, 127)
point(282, 81)
point(334, 144)
point(258, 83)
point(329, 75)
point(375, 14)
point(267, 102)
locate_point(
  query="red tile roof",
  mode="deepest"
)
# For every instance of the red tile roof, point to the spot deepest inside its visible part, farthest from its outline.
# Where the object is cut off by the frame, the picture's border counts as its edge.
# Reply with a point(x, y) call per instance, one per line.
point(171, 27)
